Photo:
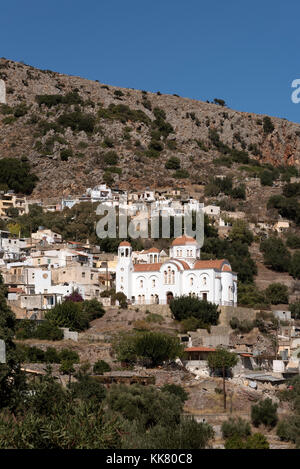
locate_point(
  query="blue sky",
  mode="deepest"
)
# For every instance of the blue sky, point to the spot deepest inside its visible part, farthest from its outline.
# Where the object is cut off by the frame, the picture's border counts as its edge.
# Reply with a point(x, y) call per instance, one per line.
point(244, 52)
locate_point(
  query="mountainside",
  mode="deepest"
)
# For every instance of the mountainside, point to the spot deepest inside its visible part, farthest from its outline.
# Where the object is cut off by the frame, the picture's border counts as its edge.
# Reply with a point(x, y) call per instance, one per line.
point(77, 133)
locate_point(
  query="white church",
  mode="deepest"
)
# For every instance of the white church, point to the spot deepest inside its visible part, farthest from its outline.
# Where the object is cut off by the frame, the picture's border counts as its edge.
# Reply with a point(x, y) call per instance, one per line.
point(182, 274)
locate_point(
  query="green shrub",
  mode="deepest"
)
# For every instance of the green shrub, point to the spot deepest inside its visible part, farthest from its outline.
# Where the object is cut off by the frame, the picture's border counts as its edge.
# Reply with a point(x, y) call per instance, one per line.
point(236, 426)
point(293, 241)
point(69, 314)
point(101, 367)
point(48, 331)
point(288, 429)
point(184, 307)
point(173, 163)
point(66, 154)
point(16, 174)
point(68, 355)
point(275, 254)
point(268, 126)
point(111, 158)
point(177, 390)
point(123, 113)
point(77, 121)
point(181, 174)
point(277, 293)
point(294, 268)
point(265, 412)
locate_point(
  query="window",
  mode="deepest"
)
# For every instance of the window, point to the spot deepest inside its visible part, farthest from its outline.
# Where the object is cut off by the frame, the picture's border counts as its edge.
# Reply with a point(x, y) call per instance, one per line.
point(83, 274)
point(153, 283)
point(141, 283)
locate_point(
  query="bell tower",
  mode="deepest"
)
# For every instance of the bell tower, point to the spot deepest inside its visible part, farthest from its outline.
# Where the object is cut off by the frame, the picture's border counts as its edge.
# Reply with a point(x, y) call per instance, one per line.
point(124, 269)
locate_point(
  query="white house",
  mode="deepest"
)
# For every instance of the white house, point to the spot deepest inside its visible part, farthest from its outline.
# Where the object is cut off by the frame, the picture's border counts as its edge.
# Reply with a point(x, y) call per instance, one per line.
point(183, 274)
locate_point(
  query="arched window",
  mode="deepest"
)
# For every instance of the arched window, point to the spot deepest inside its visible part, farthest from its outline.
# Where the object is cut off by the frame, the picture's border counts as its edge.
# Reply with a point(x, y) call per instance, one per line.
point(165, 277)
point(141, 283)
point(191, 281)
point(153, 283)
point(173, 276)
point(169, 275)
point(204, 280)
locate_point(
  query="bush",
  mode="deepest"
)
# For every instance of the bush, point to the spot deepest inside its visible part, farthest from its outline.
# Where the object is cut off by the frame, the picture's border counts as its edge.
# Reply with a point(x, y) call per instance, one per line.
point(176, 390)
point(268, 126)
point(243, 326)
point(77, 121)
point(16, 174)
point(69, 314)
point(67, 355)
point(157, 347)
point(236, 427)
point(249, 295)
point(294, 268)
point(111, 158)
point(88, 389)
point(123, 113)
point(66, 154)
point(101, 367)
point(181, 174)
point(275, 254)
point(265, 412)
point(188, 434)
point(192, 324)
point(151, 348)
point(173, 163)
point(145, 404)
point(293, 241)
point(295, 310)
point(277, 293)
point(255, 441)
point(185, 307)
point(93, 308)
point(266, 178)
point(288, 429)
point(240, 232)
point(48, 331)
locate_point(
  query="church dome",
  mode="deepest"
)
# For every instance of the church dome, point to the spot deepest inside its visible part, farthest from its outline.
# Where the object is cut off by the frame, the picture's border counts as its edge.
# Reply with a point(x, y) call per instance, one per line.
point(125, 244)
point(184, 241)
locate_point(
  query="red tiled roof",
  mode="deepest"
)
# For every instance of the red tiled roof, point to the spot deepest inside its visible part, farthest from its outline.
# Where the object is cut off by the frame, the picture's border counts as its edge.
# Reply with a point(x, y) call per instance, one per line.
point(15, 290)
point(184, 264)
point(147, 267)
point(199, 349)
point(183, 240)
point(125, 243)
point(151, 250)
point(212, 264)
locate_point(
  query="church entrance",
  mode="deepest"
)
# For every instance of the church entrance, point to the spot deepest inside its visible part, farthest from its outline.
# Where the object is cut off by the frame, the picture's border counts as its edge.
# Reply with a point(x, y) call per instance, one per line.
point(169, 297)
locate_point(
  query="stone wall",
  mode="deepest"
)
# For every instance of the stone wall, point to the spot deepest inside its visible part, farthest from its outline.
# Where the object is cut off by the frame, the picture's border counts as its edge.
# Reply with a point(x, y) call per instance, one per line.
point(164, 310)
point(72, 335)
point(228, 312)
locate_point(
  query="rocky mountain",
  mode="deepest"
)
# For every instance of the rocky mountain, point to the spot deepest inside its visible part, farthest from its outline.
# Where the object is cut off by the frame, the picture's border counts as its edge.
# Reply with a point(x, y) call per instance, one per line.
point(77, 133)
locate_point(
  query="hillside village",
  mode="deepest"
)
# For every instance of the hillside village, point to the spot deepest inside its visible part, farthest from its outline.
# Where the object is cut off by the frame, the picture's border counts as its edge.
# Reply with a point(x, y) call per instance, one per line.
point(238, 292)
point(42, 270)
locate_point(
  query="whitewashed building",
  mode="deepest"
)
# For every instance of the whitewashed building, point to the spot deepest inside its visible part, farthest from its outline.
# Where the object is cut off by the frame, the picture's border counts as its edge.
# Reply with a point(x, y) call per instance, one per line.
point(182, 274)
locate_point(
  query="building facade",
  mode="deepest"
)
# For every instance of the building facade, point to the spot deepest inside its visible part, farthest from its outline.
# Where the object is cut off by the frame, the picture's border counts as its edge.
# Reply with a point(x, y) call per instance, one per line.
point(182, 274)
